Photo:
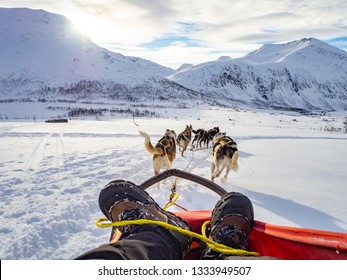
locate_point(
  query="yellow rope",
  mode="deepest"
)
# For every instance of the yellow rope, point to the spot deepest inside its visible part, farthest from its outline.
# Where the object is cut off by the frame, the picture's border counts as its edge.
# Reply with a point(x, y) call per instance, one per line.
point(220, 248)
point(172, 201)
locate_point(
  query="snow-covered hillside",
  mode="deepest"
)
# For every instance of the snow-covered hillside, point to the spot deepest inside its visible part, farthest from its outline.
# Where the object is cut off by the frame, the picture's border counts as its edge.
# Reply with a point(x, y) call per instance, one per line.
point(42, 55)
point(44, 46)
point(305, 74)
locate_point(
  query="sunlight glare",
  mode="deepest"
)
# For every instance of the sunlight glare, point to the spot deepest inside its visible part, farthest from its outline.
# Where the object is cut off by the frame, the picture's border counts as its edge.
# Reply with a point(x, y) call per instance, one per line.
point(94, 28)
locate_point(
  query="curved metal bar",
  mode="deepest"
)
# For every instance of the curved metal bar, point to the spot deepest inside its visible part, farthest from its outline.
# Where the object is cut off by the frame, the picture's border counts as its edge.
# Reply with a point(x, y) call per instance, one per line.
point(185, 175)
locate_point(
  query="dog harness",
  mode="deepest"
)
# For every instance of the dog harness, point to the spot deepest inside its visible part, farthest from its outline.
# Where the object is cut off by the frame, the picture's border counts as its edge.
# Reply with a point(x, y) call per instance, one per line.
point(225, 140)
point(166, 143)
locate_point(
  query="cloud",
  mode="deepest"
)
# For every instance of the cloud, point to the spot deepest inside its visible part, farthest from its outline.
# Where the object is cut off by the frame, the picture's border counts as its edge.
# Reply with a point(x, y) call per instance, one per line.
point(179, 52)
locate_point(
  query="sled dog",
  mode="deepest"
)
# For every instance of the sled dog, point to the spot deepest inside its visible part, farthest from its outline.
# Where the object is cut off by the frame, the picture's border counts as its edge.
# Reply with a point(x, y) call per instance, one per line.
point(183, 139)
point(203, 137)
point(164, 152)
point(199, 135)
point(224, 156)
point(209, 135)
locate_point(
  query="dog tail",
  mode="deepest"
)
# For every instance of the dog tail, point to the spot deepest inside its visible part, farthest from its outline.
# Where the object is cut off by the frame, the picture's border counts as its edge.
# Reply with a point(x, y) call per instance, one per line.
point(234, 158)
point(148, 145)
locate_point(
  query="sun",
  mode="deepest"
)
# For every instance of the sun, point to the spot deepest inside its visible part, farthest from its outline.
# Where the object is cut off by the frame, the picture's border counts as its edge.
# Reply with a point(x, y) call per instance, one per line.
point(94, 28)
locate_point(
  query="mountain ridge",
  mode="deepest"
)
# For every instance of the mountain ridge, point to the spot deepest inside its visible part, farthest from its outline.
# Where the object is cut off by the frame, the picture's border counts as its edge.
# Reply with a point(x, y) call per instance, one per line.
point(43, 56)
point(306, 73)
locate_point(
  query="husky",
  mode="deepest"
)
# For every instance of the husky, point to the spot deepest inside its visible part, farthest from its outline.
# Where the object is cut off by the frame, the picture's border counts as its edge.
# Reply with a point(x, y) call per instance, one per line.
point(198, 137)
point(164, 152)
point(209, 135)
point(183, 139)
point(203, 137)
point(224, 156)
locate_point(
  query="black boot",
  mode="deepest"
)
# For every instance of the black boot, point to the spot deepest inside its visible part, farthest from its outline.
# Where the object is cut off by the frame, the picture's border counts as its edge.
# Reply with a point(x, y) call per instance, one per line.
point(231, 223)
point(121, 200)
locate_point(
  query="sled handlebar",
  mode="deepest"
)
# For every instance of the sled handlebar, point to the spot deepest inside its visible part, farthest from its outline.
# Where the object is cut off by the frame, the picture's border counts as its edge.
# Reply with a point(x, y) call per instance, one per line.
point(185, 175)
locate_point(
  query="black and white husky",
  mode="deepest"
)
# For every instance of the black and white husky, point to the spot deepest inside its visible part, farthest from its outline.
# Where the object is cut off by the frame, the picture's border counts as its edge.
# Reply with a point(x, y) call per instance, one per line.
point(224, 156)
point(203, 137)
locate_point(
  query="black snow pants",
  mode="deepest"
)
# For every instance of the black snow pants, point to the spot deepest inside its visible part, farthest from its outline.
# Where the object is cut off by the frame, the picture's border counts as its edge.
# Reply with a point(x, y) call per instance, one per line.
point(150, 242)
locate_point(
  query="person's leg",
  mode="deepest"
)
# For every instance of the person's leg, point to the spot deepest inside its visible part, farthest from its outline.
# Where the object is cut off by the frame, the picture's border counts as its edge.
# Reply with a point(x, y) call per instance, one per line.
point(121, 200)
point(150, 243)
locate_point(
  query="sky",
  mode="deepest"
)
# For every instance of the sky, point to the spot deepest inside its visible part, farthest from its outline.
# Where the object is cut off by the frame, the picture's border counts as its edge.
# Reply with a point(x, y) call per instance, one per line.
point(173, 32)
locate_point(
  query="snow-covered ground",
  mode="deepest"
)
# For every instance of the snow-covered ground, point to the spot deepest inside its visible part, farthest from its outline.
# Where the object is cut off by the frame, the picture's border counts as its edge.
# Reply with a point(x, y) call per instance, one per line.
point(292, 169)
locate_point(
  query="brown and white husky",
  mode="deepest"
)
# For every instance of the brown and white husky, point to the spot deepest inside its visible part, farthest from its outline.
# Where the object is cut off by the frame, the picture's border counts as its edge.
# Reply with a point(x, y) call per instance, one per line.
point(183, 139)
point(164, 152)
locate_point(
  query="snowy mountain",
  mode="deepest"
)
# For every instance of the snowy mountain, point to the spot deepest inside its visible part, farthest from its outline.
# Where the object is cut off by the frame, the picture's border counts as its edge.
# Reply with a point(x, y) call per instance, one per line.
point(305, 74)
point(42, 55)
point(48, 46)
